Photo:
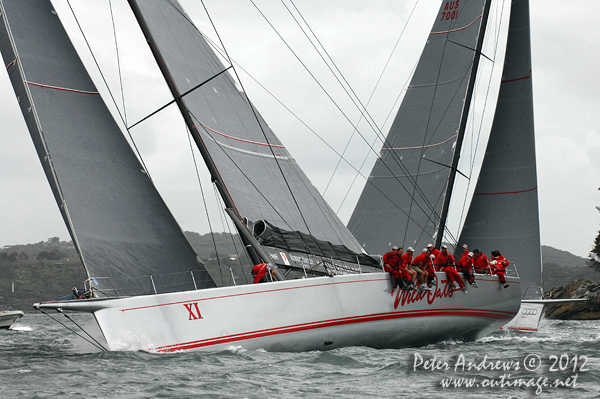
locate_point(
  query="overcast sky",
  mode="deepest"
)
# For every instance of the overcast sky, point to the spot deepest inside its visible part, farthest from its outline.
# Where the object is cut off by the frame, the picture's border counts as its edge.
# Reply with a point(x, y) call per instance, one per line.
point(359, 36)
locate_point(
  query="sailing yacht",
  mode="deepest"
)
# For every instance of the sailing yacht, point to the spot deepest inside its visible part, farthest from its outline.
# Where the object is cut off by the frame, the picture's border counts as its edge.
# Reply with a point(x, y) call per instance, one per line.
point(145, 286)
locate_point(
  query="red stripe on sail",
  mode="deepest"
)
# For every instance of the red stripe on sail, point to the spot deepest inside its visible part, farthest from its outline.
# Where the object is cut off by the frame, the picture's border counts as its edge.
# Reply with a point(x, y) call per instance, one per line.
point(12, 63)
point(61, 88)
point(455, 30)
point(509, 192)
point(238, 139)
point(515, 80)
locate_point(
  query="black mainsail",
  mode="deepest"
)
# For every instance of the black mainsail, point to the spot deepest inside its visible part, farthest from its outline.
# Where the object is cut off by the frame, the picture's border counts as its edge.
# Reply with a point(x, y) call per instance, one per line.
point(406, 192)
point(117, 220)
point(252, 169)
point(504, 211)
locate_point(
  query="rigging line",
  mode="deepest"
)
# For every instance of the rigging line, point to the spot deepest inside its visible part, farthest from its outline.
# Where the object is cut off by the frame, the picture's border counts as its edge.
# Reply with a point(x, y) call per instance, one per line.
point(331, 218)
point(81, 328)
point(189, 137)
point(398, 161)
point(447, 232)
point(322, 48)
point(456, 92)
point(240, 170)
point(112, 17)
point(370, 121)
point(425, 136)
point(316, 135)
point(354, 98)
point(233, 240)
point(139, 155)
point(266, 199)
point(52, 176)
point(364, 110)
point(259, 192)
point(495, 52)
point(258, 119)
point(232, 236)
point(375, 140)
point(446, 166)
point(469, 48)
point(435, 214)
point(311, 130)
point(73, 331)
point(217, 197)
point(219, 50)
point(464, 118)
point(499, 25)
point(181, 96)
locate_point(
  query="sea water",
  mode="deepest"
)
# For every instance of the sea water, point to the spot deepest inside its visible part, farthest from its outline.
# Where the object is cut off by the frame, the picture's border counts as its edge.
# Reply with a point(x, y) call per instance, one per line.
point(41, 359)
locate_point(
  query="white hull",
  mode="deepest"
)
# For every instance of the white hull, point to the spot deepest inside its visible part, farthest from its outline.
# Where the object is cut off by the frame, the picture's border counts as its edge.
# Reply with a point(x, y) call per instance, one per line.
point(301, 315)
point(8, 317)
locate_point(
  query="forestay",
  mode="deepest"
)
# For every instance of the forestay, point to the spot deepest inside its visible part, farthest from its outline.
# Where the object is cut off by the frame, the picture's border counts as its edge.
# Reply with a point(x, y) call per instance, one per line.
point(118, 221)
point(402, 201)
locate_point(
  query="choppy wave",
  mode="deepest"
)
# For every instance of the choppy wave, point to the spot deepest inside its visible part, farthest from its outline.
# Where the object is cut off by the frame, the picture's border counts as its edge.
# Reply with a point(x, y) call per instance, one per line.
point(42, 359)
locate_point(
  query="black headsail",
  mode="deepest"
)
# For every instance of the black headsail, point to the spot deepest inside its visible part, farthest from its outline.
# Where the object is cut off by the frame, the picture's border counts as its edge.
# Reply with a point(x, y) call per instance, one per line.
point(255, 174)
point(504, 211)
point(408, 189)
point(118, 221)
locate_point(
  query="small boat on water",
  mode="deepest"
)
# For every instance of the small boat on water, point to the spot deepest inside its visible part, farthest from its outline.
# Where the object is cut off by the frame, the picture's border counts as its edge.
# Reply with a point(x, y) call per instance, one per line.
point(8, 317)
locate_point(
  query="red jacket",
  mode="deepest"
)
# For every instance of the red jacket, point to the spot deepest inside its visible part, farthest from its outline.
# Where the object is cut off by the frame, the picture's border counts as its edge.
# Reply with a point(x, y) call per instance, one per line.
point(259, 272)
point(481, 262)
point(423, 261)
point(501, 264)
point(391, 258)
point(406, 260)
point(465, 263)
point(444, 260)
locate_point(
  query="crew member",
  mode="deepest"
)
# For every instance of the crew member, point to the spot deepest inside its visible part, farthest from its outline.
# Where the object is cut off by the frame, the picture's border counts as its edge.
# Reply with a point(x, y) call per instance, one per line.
point(445, 262)
point(465, 251)
point(422, 265)
point(499, 265)
point(260, 272)
point(481, 263)
point(406, 261)
point(465, 265)
point(391, 264)
point(434, 251)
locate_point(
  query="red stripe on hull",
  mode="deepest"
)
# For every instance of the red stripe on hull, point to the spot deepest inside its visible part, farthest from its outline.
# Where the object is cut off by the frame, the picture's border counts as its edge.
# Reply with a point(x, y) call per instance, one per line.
point(333, 323)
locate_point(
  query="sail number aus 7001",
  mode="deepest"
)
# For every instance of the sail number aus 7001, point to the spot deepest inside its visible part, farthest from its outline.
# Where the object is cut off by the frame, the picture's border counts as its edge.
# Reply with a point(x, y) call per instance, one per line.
point(193, 311)
point(450, 11)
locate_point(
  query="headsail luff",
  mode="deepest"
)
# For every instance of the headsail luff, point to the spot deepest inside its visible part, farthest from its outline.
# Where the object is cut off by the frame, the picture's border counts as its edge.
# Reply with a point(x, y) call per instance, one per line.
point(504, 211)
point(114, 214)
point(260, 175)
point(402, 201)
